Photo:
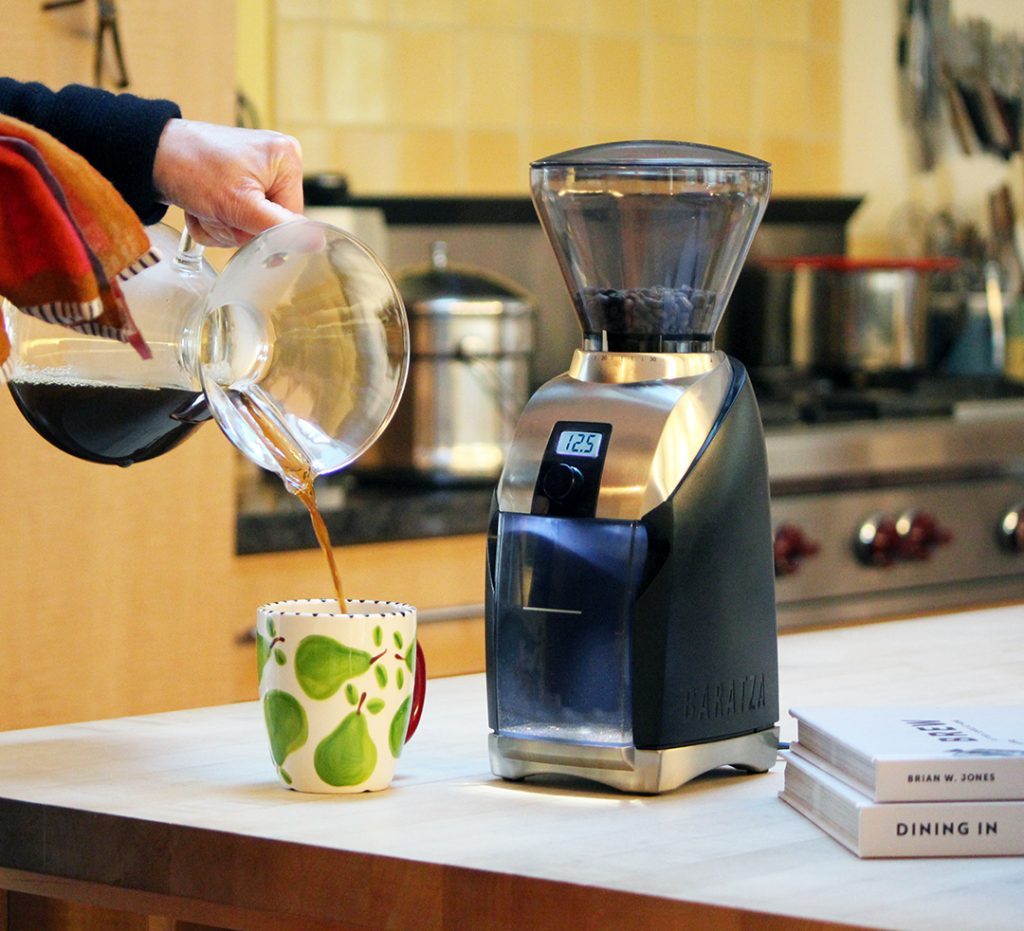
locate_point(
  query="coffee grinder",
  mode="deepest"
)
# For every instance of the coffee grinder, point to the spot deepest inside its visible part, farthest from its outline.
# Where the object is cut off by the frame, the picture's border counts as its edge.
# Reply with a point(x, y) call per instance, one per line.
point(630, 618)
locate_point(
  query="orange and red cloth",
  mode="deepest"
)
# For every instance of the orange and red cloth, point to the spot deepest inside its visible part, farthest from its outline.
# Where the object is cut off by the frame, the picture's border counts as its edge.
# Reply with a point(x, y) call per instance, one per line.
point(66, 238)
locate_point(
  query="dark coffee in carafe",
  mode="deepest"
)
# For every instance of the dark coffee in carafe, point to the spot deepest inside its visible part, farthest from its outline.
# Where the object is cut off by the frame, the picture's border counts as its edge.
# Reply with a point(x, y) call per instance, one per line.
point(104, 423)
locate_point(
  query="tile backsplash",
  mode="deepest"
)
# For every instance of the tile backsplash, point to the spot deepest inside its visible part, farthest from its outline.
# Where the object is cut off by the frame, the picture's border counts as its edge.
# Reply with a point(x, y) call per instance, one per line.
point(456, 96)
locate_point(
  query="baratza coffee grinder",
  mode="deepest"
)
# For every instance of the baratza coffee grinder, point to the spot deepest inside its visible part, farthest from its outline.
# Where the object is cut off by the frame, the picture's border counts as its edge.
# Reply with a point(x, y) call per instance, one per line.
point(630, 583)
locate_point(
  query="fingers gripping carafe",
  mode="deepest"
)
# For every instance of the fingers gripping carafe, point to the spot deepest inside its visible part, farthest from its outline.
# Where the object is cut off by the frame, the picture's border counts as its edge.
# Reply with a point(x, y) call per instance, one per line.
point(630, 626)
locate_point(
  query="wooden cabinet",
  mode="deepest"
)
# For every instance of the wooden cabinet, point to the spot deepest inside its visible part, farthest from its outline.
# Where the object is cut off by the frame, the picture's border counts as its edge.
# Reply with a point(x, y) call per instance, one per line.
point(122, 593)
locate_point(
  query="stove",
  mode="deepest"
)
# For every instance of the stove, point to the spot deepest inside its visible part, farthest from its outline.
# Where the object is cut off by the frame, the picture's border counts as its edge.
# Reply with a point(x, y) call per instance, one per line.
point(894, 494)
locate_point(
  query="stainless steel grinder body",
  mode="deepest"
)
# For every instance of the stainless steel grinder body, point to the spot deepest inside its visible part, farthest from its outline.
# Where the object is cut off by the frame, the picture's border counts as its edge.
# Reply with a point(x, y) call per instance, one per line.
point(630, 594)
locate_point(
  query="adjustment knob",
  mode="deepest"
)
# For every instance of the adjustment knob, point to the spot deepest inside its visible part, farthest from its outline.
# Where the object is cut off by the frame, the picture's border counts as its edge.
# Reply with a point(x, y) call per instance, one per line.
point(562, 482)
point(1011, 529)
point(791, 548)
point(920, 534)
point(878, 541)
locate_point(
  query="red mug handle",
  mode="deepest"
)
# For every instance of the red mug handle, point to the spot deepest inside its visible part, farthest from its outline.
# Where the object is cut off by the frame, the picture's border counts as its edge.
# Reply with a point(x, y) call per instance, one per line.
point(419, 692)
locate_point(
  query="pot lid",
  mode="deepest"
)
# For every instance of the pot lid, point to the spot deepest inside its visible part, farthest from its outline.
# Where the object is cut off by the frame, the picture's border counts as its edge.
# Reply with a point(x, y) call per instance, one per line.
point(439, 287)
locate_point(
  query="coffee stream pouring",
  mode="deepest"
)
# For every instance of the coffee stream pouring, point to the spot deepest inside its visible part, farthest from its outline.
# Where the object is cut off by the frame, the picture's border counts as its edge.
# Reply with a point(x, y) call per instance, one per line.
point(299, 350)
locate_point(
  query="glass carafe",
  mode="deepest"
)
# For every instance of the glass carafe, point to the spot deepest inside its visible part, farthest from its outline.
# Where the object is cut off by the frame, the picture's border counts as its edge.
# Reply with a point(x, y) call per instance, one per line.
point(299, 350)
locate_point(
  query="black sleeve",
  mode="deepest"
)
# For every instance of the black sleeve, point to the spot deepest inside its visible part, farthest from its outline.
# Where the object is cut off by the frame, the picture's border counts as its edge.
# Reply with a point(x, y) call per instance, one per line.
point(116, 133)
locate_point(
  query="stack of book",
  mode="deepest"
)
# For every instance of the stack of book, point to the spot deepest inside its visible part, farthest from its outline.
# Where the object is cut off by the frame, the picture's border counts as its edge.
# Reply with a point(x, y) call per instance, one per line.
point(911, 782)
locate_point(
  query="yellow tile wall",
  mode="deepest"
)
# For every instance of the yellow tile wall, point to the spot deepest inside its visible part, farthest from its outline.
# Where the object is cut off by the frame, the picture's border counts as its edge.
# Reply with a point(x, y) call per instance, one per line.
point(456, 96)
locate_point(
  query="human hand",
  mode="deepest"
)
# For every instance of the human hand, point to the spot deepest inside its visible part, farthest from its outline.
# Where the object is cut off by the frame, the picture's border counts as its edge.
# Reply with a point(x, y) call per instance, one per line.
point(232, 183)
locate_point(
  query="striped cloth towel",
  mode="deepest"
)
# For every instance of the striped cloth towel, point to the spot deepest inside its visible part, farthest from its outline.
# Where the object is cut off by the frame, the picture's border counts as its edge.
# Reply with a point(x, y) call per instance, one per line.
point(66, 238)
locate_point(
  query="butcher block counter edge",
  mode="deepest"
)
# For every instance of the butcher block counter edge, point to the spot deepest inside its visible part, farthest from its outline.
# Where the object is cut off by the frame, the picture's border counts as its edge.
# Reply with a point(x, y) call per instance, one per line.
point(272, 885)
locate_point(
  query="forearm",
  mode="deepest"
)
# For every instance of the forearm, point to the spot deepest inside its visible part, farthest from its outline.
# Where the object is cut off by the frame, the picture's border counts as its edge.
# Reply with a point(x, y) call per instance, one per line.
point(116, 133)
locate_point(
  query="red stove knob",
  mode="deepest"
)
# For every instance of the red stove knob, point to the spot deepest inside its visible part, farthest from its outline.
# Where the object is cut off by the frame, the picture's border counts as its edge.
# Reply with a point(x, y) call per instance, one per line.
point(878, 541)
point(792, 547)
point(920, 533)
point(1011, 529)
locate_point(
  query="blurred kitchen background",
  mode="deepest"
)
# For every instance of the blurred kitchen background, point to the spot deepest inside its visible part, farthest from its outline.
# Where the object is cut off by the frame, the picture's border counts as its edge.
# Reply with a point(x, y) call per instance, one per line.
point(891, 390)
point(456, 96)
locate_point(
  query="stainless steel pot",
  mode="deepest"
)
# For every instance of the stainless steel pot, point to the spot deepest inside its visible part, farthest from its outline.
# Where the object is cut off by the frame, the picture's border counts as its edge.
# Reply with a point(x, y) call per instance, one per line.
point(834, 313)
point(471, 333)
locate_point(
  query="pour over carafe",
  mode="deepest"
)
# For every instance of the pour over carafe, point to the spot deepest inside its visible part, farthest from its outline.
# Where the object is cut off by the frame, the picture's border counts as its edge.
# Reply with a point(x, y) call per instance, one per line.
point(300, 347)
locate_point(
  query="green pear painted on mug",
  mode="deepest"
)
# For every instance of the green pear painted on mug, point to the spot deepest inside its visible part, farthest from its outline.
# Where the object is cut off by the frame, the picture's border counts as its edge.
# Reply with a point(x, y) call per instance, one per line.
point(265, 648)
point(347, 756)
point(323, 665)
point(262, 654)
point(287, 726)
point(399, 726)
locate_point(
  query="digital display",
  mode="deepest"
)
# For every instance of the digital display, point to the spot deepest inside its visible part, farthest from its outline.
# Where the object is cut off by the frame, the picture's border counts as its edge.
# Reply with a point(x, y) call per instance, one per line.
point(578, 443)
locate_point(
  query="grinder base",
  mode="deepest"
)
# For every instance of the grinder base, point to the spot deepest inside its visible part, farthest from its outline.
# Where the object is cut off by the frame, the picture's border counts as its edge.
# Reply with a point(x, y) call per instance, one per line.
point(645, 772)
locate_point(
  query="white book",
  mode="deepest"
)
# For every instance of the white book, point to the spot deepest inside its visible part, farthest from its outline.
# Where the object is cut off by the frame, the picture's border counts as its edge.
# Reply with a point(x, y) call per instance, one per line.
point(919, 754)
point(902, 829)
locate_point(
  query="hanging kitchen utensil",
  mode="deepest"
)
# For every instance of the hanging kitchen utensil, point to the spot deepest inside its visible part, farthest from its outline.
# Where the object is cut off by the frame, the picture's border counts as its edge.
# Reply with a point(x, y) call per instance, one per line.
point(1004, 245)
point(1006, 75)
point(959, 112)
point(991, 110)
point(920, 83)
point(106, 27)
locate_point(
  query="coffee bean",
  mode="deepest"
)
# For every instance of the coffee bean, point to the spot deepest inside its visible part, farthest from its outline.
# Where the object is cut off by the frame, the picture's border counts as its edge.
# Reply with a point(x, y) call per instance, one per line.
point(679, 313)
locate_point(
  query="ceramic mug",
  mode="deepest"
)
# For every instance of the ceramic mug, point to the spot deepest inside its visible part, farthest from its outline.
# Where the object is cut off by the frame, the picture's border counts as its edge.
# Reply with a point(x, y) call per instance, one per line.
point(341, 693)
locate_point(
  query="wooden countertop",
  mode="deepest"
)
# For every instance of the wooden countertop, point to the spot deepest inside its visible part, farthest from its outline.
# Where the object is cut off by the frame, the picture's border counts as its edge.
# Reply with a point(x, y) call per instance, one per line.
point(179, 815)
